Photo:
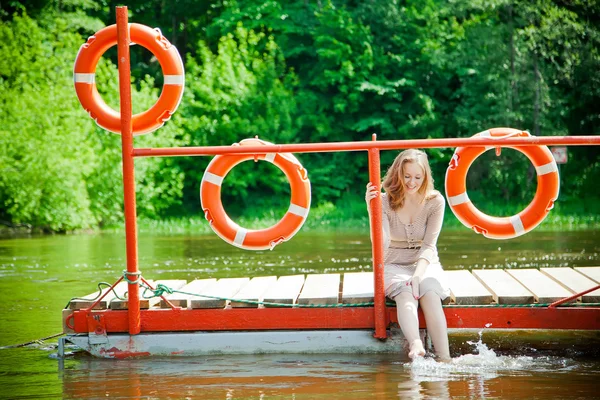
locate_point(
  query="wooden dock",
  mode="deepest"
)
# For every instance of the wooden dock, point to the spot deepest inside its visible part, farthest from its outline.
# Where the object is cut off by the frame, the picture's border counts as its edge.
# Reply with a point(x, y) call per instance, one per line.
point(476, 287)
point(320, 313)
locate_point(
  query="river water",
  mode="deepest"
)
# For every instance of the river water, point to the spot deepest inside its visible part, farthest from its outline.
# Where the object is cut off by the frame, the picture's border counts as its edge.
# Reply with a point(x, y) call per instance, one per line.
point(38, 276)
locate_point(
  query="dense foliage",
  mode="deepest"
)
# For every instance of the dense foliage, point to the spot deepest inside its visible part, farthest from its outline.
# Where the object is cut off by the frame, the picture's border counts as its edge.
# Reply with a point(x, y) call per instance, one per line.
point(292, 71)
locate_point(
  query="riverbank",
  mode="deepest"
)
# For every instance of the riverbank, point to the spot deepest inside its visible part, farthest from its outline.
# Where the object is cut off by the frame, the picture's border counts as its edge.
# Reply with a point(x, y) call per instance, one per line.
point(350, 216)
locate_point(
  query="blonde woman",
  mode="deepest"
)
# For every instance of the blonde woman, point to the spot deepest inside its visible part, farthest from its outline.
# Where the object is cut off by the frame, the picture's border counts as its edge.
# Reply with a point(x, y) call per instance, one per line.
point(412, 219)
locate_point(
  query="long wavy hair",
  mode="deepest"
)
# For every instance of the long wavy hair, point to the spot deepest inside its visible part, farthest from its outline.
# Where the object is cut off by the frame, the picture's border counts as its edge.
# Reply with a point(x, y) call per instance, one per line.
point(393, 182)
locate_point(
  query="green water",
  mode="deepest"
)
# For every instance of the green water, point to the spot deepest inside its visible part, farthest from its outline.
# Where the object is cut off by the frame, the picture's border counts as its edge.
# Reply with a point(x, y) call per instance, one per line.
point(38, 276)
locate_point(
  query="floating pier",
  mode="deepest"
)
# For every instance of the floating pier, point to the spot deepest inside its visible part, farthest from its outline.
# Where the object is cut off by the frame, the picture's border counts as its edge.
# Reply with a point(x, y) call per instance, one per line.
point(318, 313)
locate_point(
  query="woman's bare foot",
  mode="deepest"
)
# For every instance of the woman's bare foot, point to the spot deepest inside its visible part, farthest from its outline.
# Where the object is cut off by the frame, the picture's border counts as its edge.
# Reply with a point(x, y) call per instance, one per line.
point(416, 349)
point(443, 358)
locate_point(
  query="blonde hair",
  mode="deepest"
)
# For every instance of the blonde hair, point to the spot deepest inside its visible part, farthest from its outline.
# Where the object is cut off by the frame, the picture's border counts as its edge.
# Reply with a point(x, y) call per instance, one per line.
point(393, 182)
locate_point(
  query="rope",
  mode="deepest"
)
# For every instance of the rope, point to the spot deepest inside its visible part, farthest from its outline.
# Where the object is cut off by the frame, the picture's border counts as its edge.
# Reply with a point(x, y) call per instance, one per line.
point(161, 289)
point(100, 284)
point(38, 341)
point(534, 305)
point(137, 274)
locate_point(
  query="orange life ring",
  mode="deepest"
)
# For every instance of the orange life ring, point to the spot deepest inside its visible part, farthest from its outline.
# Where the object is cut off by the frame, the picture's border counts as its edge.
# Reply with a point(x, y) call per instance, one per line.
point(84, 76)
point(548, 185)
point(292, 221)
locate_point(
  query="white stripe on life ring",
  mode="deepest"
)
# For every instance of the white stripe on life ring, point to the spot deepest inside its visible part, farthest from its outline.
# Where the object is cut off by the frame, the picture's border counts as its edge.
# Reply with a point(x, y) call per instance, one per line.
point(516, 222)
point(240, 235)
point(458, 199)
point(174, 80)
point(546, 168)
point(212, 178)
point(486, 134)
point(298, 210)
point(270, 157)
point(84, 78)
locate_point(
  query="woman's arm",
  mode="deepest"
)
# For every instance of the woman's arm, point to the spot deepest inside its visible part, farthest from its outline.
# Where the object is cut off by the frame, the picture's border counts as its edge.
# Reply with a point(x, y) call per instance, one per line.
point(429, 247)
point(434, 222)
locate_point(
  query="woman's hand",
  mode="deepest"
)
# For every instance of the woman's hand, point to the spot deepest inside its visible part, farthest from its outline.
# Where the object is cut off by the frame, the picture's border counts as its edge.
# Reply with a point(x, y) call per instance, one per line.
point(415, 282)
point(372, 192)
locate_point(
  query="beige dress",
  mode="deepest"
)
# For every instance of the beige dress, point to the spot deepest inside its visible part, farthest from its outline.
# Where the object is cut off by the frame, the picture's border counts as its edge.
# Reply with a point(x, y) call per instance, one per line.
point(405, 244)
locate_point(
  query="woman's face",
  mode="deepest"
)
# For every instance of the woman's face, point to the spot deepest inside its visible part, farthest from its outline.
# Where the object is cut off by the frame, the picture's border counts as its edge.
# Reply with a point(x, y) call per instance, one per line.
point(412, 176)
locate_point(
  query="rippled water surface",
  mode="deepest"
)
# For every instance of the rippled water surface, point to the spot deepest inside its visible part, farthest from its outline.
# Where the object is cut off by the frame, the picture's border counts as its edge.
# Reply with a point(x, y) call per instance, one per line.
point(39, 275)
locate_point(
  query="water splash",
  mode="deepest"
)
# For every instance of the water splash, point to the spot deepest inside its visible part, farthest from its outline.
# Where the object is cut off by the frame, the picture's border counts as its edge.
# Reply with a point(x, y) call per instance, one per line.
point(483, 363)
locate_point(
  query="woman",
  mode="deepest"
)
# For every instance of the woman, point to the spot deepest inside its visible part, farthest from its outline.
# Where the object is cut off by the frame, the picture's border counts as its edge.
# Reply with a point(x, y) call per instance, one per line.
point(412, 219)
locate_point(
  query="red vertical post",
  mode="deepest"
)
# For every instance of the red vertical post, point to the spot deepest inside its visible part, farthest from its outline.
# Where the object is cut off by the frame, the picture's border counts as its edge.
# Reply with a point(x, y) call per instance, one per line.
point(377, 246)
point(133, 294)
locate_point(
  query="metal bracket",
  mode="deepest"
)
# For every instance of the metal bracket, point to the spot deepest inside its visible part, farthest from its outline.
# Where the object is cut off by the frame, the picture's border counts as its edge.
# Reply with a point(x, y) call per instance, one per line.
point(96, 329)
point(61, 347)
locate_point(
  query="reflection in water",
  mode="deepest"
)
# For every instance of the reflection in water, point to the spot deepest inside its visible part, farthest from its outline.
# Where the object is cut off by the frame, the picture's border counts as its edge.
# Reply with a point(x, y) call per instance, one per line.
point(483, 375)
point(294, 376)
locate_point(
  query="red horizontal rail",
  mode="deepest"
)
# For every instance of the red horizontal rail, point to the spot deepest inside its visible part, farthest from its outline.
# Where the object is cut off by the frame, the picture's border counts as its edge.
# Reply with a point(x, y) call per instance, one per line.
point(247, 319)
point(367, 145)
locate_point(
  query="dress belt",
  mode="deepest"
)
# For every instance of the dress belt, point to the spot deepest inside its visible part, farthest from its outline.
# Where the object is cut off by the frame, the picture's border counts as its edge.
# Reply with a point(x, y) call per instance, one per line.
point(405, 247)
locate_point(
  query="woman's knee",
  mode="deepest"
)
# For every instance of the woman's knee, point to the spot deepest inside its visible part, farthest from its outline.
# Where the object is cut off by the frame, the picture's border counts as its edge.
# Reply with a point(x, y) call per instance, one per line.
point(430, 294)
point(404, 297)
point(405, 302)
point(431, 298)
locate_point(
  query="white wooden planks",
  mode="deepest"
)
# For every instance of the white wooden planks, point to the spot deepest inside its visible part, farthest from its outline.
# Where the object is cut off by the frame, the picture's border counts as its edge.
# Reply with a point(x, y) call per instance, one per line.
point(174, 284)
point(181, 300)
point(504, 288)
point(223, 288)
point(591, 272)
point(358, 288)
point(88, 300)
point(575, 281)
point(118, 304)
point(544, 289)
point(253, 291)
point(286, 290)
point(466, 289)
point(515, 286)
point(320, 289)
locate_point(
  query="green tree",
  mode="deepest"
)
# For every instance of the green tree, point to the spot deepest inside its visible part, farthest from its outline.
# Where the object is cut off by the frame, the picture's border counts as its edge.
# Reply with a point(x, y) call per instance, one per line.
point(238, 92)
point(517, 66)
point(289, 71)
point(60, 171)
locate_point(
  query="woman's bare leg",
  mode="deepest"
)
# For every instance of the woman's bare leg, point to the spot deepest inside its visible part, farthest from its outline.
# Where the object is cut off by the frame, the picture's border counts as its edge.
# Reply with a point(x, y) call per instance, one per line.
point(406, 306)
point(436, 324)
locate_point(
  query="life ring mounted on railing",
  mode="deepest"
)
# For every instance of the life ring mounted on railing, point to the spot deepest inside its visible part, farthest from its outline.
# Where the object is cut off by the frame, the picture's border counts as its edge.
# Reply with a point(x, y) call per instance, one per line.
point(228, 230)
point(548, 184)
point(84, 76)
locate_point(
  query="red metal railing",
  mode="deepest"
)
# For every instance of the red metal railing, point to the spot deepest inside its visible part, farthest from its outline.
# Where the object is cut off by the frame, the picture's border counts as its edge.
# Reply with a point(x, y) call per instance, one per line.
point(372, 147)
point(368, 145)
point(124, 65)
